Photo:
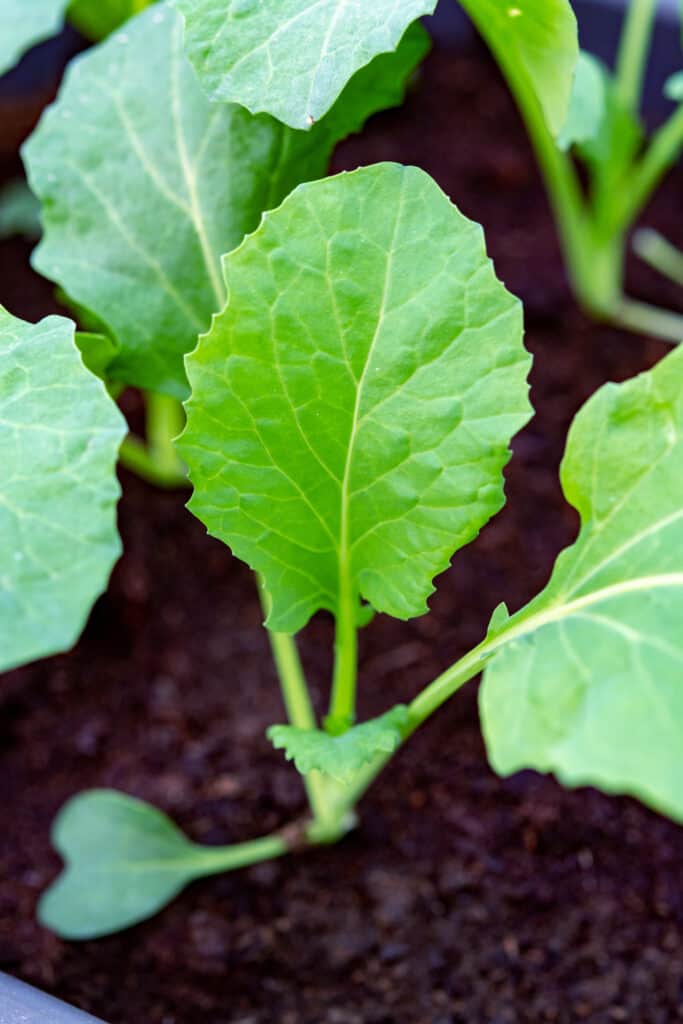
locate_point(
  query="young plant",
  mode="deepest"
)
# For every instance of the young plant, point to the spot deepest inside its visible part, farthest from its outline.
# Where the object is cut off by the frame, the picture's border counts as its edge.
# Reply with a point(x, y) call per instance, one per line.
point(59, 438)
point(350, 417)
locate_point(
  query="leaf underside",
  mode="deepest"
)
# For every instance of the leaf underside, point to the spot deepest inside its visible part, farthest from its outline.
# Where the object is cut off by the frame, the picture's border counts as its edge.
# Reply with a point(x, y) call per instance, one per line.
point(534, 40)
point(343, 756)
point(59, 438)
point(23, 24)
point(591, 688)
point(291, 59)
point(145, 185)
point(352, 407)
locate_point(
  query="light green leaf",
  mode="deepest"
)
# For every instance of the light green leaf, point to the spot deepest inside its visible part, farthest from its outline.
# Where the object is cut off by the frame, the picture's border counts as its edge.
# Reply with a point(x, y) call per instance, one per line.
point(589, 682)
point(145, 185)
point(19, 211)
point(536, 43)
point(609, 151)
point(343, 756)
point(587, 107)
point(59, 438)
point(23, 23)
point(293, 58)
point(673, 87)
point(352, 408)
point(125, 860)
point(99, 18)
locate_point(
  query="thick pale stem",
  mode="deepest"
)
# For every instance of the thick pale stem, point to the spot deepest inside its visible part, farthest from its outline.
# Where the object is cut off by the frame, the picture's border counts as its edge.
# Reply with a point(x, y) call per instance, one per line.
point(659, 254)
point(157, 461)
point(139, 459)
point(634, 47)
point(658, 323)
point(297, 701)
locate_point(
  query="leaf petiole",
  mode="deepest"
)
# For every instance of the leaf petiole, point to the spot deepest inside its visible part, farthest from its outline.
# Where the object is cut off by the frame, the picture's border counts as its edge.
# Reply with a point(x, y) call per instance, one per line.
point(157, 461)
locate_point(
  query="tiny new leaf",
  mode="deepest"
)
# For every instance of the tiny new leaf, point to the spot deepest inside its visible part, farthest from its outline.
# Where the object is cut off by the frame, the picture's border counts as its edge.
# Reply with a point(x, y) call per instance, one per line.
point(141, 250)
point(341, 757)
point(59, 438)
point(293, 58)
point(352, 407)
point(589, 683)
point(23, 23)
point(536, 43)
point(124, 861)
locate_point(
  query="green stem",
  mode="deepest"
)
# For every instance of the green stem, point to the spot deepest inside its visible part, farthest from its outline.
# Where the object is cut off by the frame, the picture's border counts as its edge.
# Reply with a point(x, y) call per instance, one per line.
point(661, 154)
point(216, 859)
point(634, 48)
point(658, 323)
point(139, 459)
point(659, 254)
point(297, 701)
point(342, 713)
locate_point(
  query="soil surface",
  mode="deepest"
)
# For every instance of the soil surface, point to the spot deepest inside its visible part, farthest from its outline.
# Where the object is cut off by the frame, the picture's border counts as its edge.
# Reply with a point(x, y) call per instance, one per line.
point(461, 898)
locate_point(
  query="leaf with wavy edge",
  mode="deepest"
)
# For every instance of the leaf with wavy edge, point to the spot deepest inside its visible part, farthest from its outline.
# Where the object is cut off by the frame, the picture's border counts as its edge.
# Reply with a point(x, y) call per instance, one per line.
point(290, 59)
point(59, 438)
point(352, 407)
point(341, 757)
point(145, 185)
point(24, 23)
point(589, 682)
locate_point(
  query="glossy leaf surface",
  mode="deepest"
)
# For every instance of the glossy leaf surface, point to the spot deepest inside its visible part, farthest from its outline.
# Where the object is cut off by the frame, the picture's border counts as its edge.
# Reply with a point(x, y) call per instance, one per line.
point(59, 438)
point(145, 185)
point(589, 684)
point(291, 58)
point(353, 406)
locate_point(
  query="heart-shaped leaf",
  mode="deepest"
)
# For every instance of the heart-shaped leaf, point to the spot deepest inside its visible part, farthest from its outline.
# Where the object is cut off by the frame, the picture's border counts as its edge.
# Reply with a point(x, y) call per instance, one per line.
point(341, 757)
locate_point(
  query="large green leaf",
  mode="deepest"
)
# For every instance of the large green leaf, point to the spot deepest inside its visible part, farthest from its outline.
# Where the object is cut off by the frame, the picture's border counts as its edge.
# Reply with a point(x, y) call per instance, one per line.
point(536, 43)
point(341, 757)
point(59, 438)
point(23, 23)
point(291, 58)
point(145, 185)
point(99, 18)
point(351, 409)
point(589, 682)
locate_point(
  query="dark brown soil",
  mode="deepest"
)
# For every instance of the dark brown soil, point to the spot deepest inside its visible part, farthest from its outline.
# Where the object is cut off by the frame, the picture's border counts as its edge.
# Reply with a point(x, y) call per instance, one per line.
point(461, 897)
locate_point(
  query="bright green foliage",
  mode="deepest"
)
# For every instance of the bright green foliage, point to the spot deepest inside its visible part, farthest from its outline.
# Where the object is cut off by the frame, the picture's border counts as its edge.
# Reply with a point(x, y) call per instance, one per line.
point(23, 23)
point(291, 58)
point(145, 185)
point(536, 43)
point(125, 860)
point(341, 756)
point(99, 18)
point(97, 351)
point(590, 683)
point(587, 104)
point(351, 409)
point(59, 438)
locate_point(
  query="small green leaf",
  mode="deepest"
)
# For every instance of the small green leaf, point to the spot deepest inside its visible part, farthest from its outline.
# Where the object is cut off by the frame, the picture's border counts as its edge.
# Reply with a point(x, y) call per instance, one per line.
point(536, 43)
point(589, 683)
point(673, 87)
point(23, 23)
point(587, 107)
point(97, 350)
point(125, 860)
point(291, 59)
point(19, 211)
point(141, 249)
point(59, 438)
point(343, 756)
point(352, 407)
point(499, 619)
point(99, 18)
